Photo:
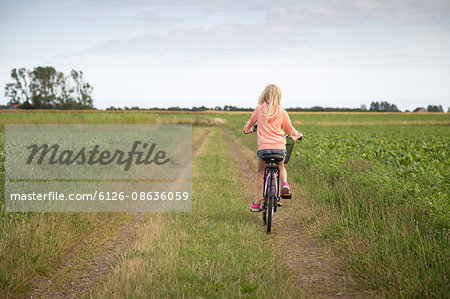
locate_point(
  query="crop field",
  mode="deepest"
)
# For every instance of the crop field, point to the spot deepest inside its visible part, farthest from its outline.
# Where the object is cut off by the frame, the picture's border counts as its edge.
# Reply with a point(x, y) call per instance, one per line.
point(369, 217)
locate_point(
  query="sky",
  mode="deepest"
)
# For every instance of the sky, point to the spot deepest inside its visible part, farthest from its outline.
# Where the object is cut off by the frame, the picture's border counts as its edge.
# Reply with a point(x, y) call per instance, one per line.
point(186, 53)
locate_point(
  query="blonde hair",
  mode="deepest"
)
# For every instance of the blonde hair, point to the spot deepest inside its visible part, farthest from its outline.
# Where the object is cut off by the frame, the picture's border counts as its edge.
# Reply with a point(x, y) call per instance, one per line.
point(272, 97)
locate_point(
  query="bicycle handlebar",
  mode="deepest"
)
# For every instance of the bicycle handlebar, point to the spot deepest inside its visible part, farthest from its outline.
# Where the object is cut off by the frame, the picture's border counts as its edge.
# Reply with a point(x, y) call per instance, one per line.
point(255, 128)
point(300, 138)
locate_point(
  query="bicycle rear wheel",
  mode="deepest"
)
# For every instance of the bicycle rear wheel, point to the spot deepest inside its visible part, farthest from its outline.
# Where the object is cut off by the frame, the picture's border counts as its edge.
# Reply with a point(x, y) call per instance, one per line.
point(265, 195)
point(265, 214)
point(269, 214)
point(270, 202)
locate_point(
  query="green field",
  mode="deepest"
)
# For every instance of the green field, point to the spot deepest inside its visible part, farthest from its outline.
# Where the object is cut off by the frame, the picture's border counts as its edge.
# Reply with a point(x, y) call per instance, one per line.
point(375, 188)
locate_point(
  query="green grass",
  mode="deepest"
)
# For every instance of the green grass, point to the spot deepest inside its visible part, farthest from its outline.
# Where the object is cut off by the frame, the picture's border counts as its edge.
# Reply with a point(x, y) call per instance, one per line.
point(388, 190)
point(375, 118)
point(33, 244)
point(219, 250)
point(95, 117)
point(131, 117)
point(382, 196)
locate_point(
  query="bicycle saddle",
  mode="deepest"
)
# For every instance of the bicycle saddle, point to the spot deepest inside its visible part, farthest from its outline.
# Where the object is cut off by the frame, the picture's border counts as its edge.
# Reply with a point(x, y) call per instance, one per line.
point(274, 157)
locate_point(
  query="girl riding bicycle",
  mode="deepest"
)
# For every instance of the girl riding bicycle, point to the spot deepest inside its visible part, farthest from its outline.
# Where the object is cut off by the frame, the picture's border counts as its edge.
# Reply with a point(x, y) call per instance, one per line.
point(271, 119)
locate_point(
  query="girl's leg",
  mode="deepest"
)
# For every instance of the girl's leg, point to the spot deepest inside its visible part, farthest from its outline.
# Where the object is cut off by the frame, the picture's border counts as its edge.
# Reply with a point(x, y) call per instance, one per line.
point(259, 180)
point(283, 173)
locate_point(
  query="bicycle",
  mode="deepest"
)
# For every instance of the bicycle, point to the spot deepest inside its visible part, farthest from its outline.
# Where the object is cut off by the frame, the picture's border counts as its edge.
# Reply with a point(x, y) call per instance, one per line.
point(271, 183)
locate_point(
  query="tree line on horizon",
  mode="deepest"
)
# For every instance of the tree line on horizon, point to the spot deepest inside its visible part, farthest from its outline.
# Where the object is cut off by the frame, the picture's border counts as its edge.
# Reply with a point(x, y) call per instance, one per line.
point(374, 107)
point(47, 88)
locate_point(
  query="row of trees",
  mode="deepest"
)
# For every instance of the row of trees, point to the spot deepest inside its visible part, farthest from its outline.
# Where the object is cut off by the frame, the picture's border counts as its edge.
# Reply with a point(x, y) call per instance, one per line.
point(436, 108)
point(46, 88)
point(325, 109)
point(383, 107)
point(201, 108)
point(374, 107)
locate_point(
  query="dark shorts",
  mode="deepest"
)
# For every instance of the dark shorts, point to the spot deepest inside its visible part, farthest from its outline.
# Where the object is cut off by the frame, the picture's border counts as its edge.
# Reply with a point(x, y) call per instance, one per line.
point(271, 151)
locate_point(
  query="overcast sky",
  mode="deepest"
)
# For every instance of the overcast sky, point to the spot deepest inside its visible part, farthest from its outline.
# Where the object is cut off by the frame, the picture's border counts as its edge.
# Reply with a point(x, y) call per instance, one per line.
point(217, 52)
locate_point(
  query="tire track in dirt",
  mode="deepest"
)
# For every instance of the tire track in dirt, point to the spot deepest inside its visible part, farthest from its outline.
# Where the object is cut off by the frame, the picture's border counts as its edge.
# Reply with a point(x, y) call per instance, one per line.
point(312, 266)
point(75, 277)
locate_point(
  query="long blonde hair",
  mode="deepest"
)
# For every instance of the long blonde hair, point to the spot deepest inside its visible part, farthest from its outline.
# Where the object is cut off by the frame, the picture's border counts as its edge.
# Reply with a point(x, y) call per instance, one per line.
point(272, 97)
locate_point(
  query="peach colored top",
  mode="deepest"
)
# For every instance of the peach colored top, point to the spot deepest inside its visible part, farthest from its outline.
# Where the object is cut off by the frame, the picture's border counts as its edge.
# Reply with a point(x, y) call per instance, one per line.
point(270, 134)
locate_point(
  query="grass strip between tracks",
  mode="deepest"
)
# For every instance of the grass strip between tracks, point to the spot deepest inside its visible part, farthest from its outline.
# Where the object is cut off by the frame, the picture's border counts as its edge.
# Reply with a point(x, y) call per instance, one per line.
point(217, 250)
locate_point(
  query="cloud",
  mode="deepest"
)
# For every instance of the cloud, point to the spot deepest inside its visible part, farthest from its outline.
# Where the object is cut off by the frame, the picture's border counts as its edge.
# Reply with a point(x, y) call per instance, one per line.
point(220, 39)
point(345, 12)
point(154, 17)
point(377, 10)
point(279, 32)
point(228, 5)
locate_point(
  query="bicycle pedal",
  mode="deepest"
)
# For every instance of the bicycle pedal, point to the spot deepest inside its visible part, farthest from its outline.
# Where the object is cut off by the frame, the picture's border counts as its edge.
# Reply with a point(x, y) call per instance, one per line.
point(286, 196)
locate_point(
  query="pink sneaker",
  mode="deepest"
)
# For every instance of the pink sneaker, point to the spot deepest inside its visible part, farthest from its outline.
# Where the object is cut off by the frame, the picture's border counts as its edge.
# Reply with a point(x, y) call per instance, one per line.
point(256, 207)
point(285, 188)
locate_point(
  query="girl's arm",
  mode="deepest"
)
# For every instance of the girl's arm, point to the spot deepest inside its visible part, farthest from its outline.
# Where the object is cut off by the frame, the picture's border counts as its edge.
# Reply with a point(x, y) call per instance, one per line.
point(287, 126)
point(251, 121)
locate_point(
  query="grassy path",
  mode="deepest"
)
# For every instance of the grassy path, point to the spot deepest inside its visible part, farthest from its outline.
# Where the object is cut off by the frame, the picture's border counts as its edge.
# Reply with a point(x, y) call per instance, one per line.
point(311, 265)
point(93, 252)
point(218, 250)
